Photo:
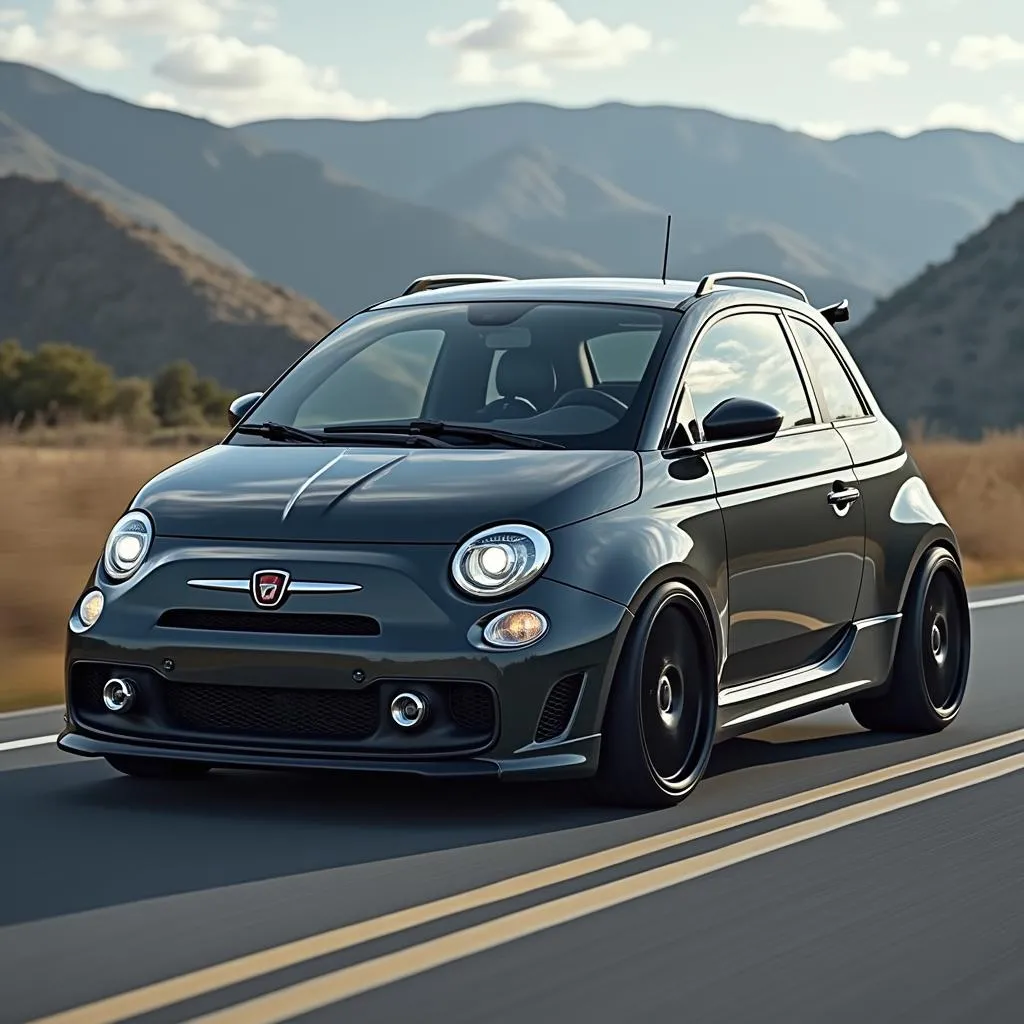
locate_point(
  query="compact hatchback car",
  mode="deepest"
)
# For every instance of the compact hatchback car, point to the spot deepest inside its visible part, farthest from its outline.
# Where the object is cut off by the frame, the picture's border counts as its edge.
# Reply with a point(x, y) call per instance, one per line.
point(543, 529)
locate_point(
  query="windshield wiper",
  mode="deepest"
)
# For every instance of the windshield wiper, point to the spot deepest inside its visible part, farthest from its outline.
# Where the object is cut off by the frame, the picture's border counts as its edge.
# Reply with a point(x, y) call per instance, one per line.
point(281, 432)
point(296, 435)
point(435, 428)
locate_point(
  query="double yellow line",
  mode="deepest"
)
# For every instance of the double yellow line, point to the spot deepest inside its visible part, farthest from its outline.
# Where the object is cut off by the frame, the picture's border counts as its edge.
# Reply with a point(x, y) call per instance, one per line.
point(338, 985)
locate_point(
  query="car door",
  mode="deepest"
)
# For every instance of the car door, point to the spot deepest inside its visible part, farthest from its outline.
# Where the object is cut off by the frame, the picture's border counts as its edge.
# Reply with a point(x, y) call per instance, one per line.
point(794, 527)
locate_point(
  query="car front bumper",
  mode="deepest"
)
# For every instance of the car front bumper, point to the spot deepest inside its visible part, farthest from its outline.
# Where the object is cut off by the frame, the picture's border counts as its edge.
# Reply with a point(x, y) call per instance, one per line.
point(211, 690)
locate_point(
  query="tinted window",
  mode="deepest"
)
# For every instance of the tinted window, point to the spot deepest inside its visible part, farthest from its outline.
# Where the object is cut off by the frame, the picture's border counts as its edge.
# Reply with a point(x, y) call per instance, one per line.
point(517, 366)
point(747, 356)
point(622, 356)
point(836, 388)
point(385, 381)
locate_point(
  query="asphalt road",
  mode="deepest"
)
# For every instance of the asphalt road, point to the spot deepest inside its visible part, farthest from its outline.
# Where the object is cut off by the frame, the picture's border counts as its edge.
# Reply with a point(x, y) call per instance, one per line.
point(895, 897)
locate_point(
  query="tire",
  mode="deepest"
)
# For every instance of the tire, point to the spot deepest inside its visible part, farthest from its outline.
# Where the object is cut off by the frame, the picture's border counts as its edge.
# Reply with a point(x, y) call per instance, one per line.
point(659, 726)
point(926, 688)
point(156, 768)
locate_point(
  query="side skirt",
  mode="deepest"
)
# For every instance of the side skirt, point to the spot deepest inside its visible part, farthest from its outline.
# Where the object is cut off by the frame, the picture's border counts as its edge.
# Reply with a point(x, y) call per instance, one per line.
point(860, 661)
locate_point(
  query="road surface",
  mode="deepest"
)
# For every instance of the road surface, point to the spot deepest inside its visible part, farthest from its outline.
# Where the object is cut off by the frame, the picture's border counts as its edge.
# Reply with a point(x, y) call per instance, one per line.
point(819, 874)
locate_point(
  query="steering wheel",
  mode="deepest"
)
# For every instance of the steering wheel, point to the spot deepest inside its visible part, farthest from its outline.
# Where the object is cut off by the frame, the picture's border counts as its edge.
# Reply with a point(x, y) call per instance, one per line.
point(592, 397)
point(508, 408)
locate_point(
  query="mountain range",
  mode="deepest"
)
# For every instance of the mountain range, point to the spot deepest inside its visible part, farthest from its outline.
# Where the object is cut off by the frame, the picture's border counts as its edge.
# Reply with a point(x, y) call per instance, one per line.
point(75, 270)
point(347, 213)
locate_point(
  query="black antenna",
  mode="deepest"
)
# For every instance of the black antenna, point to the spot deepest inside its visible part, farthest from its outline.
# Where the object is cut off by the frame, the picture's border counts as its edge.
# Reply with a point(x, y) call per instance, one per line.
point(664, 262)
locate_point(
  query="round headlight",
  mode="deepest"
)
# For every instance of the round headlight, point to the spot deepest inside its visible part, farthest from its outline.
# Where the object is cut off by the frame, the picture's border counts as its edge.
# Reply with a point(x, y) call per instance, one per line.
point(127, 545)
point(500, 560)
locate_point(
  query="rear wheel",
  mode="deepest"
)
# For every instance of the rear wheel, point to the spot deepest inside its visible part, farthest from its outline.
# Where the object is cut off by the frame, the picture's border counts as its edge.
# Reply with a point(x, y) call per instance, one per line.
point(156, 768)
point(659, 726)
point(929, 676)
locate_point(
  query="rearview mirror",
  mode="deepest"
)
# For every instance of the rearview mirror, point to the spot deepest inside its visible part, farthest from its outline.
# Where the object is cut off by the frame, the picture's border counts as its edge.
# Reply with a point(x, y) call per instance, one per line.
point(241, 406)
point(743, 420)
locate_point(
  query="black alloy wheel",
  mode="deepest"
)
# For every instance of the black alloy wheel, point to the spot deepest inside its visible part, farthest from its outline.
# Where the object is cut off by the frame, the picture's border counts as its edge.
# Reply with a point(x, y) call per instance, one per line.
point(659, 726)
point(928, 683)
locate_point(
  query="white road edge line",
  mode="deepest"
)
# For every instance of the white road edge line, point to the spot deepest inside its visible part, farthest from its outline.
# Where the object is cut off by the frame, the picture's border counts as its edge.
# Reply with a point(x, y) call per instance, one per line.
point(32, 741)
point(994, 602)
point(39, 741)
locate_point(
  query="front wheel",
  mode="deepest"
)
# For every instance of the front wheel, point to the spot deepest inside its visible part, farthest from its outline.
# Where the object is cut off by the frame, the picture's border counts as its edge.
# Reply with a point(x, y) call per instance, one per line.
point(659, 726)
point(156, 767)
point(929, 677)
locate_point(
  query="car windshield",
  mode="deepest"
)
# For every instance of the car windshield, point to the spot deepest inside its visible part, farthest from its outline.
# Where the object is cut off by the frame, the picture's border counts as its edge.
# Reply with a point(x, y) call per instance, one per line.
point(577, 375)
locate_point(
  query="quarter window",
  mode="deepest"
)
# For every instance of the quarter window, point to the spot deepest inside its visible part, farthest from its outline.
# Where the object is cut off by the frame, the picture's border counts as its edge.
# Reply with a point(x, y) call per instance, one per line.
point(836, 387)
point(747, 356)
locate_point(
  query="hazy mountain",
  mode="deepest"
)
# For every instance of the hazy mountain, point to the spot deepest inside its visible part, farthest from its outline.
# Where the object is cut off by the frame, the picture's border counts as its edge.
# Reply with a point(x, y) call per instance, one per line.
point(879, 206)
point(74, 270)
point(947, 350)
point(24, 154)
point(285, 215)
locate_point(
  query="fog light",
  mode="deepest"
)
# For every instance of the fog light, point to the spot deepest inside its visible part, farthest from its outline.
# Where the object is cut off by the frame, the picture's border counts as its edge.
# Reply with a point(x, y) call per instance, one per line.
point(517, 628)
point(118, 695)
point(90, 608)
point(408, 710)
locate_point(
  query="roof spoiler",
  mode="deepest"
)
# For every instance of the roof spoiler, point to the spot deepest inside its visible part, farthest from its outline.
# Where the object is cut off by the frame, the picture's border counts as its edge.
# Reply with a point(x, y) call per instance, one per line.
point(707, 283)
point(837, 313)
point(425, 284)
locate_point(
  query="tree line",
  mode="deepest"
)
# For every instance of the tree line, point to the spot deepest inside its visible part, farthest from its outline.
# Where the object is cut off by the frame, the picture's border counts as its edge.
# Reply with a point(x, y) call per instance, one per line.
point(57, 383)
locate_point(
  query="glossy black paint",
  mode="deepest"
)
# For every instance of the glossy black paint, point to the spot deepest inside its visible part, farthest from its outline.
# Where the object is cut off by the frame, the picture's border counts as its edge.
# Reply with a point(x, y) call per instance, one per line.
point(803, 591)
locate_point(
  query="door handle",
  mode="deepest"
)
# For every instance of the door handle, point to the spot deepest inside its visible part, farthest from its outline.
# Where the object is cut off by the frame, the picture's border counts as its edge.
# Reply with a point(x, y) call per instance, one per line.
point(842, 498)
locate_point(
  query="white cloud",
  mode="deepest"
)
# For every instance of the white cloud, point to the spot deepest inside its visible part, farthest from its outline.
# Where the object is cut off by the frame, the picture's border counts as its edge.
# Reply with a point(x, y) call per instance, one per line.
point(1006, 118)
point(9, 15)
point(859, 64)
point(934, 48)
point(886, 8)
point(537, 35)
point(155, 16)
point(479, 69)
point(824, 129)
point(813, 15)
point(59, 48)
point(247, 82)
point(979, 53)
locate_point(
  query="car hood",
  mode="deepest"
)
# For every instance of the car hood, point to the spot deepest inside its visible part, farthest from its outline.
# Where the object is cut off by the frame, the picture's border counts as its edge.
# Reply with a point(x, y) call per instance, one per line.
point(377, 495)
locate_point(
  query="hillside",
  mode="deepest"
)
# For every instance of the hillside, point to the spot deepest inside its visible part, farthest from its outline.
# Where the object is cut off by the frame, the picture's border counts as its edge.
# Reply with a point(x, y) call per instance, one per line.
point(948, 348)
point(285, 215)
point(879, 206)
point(74, 270)
point(26, 155)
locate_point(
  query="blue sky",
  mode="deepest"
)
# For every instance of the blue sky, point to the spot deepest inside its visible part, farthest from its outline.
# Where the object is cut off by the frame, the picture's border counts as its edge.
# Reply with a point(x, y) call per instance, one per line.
point(826, 66)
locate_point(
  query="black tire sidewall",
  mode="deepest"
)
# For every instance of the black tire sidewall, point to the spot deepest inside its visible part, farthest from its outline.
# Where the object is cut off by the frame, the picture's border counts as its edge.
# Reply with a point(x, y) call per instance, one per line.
point(624, 748)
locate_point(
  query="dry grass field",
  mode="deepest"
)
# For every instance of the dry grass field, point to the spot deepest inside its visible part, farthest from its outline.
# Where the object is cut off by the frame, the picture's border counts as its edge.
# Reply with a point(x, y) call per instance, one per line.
point(58, 503)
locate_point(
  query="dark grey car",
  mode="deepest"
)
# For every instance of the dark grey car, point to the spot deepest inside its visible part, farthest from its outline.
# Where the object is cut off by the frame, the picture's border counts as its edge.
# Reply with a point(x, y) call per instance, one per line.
point(528, 529)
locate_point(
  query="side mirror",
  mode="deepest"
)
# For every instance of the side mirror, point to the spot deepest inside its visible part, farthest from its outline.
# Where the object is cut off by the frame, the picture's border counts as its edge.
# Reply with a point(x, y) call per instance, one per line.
point(742, 420)
point(239, 408)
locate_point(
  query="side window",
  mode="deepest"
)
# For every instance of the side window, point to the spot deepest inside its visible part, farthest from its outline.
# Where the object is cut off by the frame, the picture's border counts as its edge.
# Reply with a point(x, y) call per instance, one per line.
point(747, 355)
point(836, 387)
point(385, 381)
point(622, 357)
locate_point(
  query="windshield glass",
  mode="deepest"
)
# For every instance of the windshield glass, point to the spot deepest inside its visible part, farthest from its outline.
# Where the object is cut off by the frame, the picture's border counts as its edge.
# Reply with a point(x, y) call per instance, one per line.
point(579, 374)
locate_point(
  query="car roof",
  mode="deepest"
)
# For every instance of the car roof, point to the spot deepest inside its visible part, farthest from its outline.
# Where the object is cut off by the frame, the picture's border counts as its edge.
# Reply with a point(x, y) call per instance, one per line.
point(631, 291)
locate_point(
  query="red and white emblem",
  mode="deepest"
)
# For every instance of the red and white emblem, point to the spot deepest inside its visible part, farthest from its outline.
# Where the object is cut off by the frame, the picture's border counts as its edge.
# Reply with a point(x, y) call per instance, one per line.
point(269, 587)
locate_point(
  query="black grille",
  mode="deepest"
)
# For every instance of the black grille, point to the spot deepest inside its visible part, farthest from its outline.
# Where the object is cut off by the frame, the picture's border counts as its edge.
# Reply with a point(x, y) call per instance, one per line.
point(270, 622)
point(558, 708)
point(273, 711)
point(472, 707)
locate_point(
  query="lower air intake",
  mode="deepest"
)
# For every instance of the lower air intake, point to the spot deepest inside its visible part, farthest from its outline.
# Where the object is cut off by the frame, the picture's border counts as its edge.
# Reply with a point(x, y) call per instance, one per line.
point(558, 708)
